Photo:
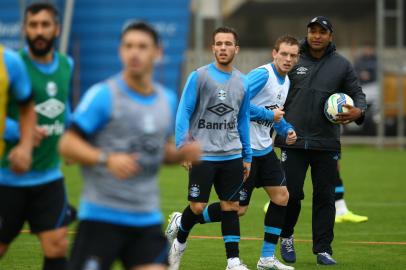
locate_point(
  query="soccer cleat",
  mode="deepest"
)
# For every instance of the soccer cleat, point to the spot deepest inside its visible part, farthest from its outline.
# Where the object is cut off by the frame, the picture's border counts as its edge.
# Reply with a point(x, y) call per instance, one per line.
point(272, 263)
point(240, 266)
point(175, 255)
point(325, 259)
point(173, 226)
point(288, 253)
point(351, 217)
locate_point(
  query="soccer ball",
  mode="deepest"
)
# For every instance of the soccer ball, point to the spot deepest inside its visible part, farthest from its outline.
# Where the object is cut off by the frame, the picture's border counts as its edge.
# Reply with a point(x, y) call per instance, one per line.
point(334, 105)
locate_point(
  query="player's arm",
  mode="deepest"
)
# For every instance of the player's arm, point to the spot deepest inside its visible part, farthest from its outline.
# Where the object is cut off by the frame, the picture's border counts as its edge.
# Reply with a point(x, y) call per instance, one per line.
point(285, 129)
point(243, 127)
point(20, 156)
point(190, 151)
point(352, 88)
point(185, 111)
point(92, 114)
point(257, 80)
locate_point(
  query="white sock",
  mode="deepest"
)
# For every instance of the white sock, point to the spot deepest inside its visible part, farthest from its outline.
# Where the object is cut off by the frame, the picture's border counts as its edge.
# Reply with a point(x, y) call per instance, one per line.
point(233, 262)
point(178, 245)
point(266, 258)
point(341, 207)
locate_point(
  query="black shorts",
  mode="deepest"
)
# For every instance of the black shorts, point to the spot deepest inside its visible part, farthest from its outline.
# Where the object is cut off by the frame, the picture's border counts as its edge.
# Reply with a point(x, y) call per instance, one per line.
point(266, 171)
point(98, 244)
point(44, 207)
point(226, 176)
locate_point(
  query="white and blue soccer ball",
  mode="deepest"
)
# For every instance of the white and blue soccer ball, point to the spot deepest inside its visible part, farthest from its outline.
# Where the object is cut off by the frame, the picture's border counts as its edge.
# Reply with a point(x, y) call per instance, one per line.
point(335, 104)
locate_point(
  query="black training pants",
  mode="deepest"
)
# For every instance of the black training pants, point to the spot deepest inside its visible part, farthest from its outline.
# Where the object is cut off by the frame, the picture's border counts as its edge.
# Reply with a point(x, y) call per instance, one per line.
point(323, 166)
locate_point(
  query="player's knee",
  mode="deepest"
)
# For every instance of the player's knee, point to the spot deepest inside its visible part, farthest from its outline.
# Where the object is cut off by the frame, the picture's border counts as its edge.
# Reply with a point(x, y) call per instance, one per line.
point(197, 208)
point(229, 206)
point(282, 198)
point(242, 210)
point(57, 248)
point(3, 249)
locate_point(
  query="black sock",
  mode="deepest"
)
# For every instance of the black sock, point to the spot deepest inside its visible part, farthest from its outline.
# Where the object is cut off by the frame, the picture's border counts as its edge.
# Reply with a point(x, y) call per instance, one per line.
point(339, 188)
point(211, 213)
point(188, 220)
point(230, 228)
point(274, 219)
point(55, 263)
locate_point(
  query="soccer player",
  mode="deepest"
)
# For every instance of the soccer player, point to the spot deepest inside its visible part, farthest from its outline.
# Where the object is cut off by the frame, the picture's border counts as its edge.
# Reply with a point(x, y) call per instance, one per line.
point(320, 72)
point(38, 196)
point(268, 86)
point(14, 83)
point(214, 110)
point(120, 134)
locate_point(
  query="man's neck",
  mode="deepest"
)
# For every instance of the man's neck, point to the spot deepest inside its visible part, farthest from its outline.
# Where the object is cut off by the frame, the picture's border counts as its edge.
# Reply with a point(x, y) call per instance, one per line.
point(140, 84)
point(225, 68)
point(45, 59)
point(279, 71)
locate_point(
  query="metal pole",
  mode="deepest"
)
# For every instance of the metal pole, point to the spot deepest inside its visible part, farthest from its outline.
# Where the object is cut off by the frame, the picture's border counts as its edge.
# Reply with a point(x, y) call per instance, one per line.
point(399, 34)
point(219, 19)
point(199, 28)
point(380, 39)
point(66, 26)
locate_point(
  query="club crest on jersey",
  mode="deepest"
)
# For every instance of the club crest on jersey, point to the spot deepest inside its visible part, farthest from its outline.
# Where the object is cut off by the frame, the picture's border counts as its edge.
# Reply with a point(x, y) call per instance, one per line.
point(222, 94)
point(52, 89)
point(194, 191)
point(301, 71)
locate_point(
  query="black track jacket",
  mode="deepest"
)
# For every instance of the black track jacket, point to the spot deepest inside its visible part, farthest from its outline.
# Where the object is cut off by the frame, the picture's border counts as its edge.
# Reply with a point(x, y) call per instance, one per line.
point(312, 82)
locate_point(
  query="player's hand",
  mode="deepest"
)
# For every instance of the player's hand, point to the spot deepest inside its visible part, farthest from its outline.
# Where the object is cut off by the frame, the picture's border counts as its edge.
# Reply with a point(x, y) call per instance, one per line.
point(247, 170)
point(187, 165)
point(352, 114)
point(291, 138)
point(39, 134)
point(20, 158)
point(278, 114)
point(191, 151)
point(123, 166)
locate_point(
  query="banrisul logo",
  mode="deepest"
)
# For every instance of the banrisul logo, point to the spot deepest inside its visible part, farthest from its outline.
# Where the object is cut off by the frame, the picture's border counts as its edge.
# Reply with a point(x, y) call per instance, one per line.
point(51, 108)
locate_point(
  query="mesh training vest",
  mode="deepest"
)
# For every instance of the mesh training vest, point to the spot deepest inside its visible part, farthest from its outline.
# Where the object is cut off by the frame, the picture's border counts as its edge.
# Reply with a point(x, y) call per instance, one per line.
point(133, 128)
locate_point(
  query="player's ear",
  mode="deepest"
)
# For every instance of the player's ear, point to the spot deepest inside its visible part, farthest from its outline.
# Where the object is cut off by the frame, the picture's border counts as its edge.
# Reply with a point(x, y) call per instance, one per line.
point(158, 54)
point(213, 49)
point(237, 49)
point(274, 53)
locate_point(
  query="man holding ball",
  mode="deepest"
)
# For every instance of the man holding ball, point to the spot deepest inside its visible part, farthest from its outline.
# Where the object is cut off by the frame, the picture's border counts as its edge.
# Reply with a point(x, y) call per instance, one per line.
point(320, 72)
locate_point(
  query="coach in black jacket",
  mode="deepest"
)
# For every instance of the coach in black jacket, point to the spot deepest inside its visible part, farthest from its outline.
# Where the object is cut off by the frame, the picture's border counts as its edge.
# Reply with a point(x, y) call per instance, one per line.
point(320, 72)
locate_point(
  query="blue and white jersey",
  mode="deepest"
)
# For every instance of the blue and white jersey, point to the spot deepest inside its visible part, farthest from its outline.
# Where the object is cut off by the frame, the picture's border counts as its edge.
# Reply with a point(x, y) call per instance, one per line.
point(115, 118)
point(214, 110)
point(12, 133)
point(268, 90)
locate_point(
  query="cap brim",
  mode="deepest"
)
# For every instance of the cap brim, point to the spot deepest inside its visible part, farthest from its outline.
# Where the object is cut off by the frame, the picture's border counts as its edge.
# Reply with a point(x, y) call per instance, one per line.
point(322, 25)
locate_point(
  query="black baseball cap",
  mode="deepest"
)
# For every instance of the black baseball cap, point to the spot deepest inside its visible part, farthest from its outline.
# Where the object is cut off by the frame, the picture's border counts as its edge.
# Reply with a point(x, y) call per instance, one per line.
point(322, 21)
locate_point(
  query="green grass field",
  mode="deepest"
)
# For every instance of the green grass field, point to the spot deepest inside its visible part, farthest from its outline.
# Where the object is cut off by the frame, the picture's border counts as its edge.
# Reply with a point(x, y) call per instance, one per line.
point(375, 182)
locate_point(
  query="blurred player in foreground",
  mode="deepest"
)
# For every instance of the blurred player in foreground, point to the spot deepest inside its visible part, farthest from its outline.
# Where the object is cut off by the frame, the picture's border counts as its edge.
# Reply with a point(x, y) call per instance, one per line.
point(120, 135)
point(38, 195)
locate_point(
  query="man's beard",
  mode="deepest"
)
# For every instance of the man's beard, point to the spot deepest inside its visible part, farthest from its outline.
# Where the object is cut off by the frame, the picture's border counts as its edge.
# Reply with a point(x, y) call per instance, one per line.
point(49, 44)
point(226, 63)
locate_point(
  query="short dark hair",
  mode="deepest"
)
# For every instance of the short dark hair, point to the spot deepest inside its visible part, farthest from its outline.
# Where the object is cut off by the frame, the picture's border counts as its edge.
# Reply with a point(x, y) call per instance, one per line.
point(288, 39)
point(226, 29)
point(140, 26)
point(36, 7)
